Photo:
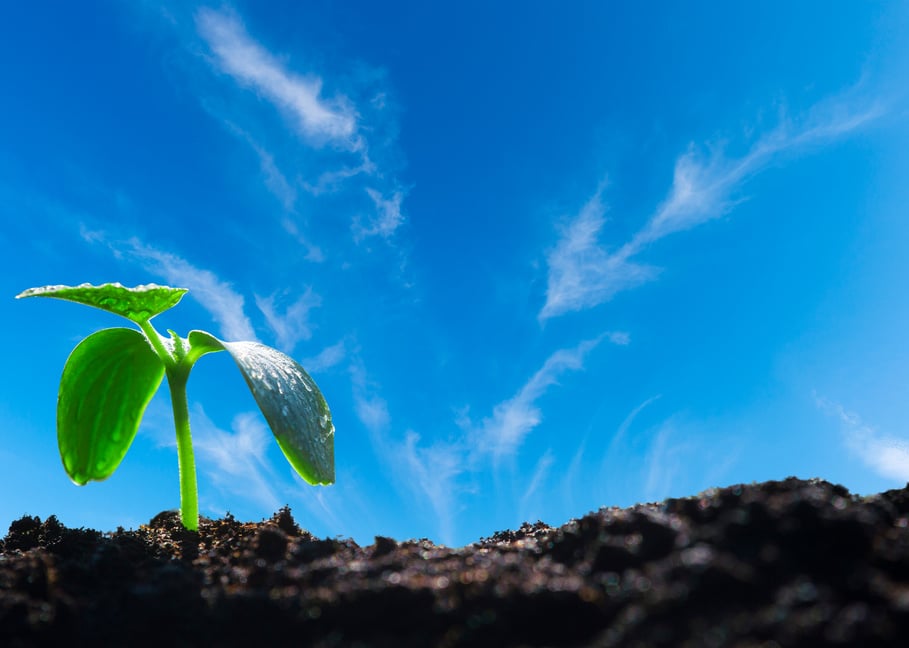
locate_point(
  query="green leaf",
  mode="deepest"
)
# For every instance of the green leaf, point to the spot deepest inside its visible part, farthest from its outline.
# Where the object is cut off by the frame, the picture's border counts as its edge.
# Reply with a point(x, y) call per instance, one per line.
point(107, 383)
point(289, 399)
point(201, 343)
point(138, 304)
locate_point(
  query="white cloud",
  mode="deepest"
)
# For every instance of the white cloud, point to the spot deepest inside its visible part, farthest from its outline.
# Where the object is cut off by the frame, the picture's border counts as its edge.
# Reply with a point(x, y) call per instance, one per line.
point(329, 181)
point(275, 180)
point(336, 126)
point(388, 216)
point(371, 409)
point(665, 463)
point(888, 456)
point(540, 473)
point(571, 478)
point(253, 66)
point(622, 431)
point(92, 236)
point(681, 456)
point(216, 296)
point(326, 358)
point(432, 473)
point(429, 473)
point(702, 189)
point(511, 420)
point(435, 473)
point(583, 274)
point(236, 461)
point(372, 412)
point(313, 252)
point(293, 325)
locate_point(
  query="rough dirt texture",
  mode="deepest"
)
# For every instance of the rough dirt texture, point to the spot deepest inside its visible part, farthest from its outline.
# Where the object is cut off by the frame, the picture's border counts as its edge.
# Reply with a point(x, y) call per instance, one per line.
point(790, 563)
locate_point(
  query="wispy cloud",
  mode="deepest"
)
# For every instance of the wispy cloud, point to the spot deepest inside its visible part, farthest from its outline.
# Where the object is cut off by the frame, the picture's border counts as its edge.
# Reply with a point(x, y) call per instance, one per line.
point(583, 273)
point(664, 463)
point(337, 126)
point(237, 54)
point(387, 219)
point(684, 455)
point(703, 186)
point(888, 456)
point(330, 180)
point(275, 179)
point(540, 473)
point(430, 473)
point(372, 412)
point(622, 431)
point(313, 252)
point(502, 433)
point(236, 461)
point(293, 325)
point(572, 476)
point(218, 297)
point(433, 474)
point(437, 474)
point(326, 358)
point(370, 408)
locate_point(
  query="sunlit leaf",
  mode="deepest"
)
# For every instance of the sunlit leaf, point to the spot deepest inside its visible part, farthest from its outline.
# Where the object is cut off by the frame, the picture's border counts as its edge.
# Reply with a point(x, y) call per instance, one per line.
point(289, 399)
point(107, 383)
point(138, 304)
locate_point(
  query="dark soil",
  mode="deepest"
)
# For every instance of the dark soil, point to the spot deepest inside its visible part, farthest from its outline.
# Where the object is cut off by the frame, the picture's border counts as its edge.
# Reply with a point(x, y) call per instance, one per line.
point(781, 563)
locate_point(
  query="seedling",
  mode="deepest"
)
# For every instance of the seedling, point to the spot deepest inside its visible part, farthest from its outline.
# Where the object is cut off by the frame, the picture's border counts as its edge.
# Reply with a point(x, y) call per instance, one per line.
point(112, 375)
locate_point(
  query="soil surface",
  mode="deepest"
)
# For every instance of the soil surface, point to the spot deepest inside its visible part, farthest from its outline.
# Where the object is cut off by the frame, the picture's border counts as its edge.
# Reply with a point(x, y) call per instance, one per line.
point(780, 563)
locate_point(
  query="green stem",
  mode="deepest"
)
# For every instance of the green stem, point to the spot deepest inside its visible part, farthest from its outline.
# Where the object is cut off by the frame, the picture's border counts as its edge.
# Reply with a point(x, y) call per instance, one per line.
point(177, 367)
point(155, 340)
point(189, 494)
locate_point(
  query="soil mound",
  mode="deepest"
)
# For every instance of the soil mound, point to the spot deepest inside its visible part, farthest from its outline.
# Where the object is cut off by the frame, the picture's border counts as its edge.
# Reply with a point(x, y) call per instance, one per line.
point(780, 563)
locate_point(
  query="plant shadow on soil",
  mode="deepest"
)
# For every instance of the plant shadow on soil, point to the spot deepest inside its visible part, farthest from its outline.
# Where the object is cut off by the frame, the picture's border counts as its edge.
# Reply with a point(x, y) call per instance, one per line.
point(778, 563)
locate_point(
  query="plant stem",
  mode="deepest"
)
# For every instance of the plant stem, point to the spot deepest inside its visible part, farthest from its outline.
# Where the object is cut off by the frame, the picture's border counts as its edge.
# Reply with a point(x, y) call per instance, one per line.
point(189, 494)
point(155, 340)
point(177, 369)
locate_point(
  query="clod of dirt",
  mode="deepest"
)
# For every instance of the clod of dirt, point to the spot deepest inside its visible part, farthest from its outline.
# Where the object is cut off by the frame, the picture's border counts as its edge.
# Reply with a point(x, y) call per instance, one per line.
point(781, 563)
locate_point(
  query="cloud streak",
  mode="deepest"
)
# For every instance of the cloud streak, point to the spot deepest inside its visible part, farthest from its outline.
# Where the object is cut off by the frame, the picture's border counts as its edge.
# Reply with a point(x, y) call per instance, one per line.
point(370, 408)
point(387, 219)
point(430, 473)
point(887, 456)
point(512, 420)
point(293, 325)
point(436, 473)
point(326, 358)
point(663, 464)
point(225, 305)
point(433, 474)
point(275, 179)
point(336, 125)
point(250, 64)
point(584, 274)
point(540, 473)
point(236, 461)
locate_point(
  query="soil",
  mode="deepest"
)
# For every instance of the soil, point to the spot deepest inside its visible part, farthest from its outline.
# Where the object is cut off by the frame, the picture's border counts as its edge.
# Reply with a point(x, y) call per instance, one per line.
point(779, 563)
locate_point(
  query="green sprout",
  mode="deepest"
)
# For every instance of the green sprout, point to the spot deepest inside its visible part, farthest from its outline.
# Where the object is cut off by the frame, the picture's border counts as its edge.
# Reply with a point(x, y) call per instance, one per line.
point(112, 375)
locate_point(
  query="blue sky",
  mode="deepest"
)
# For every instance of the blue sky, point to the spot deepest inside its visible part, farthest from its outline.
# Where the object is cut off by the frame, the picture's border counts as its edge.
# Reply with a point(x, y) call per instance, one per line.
point(540, 257)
